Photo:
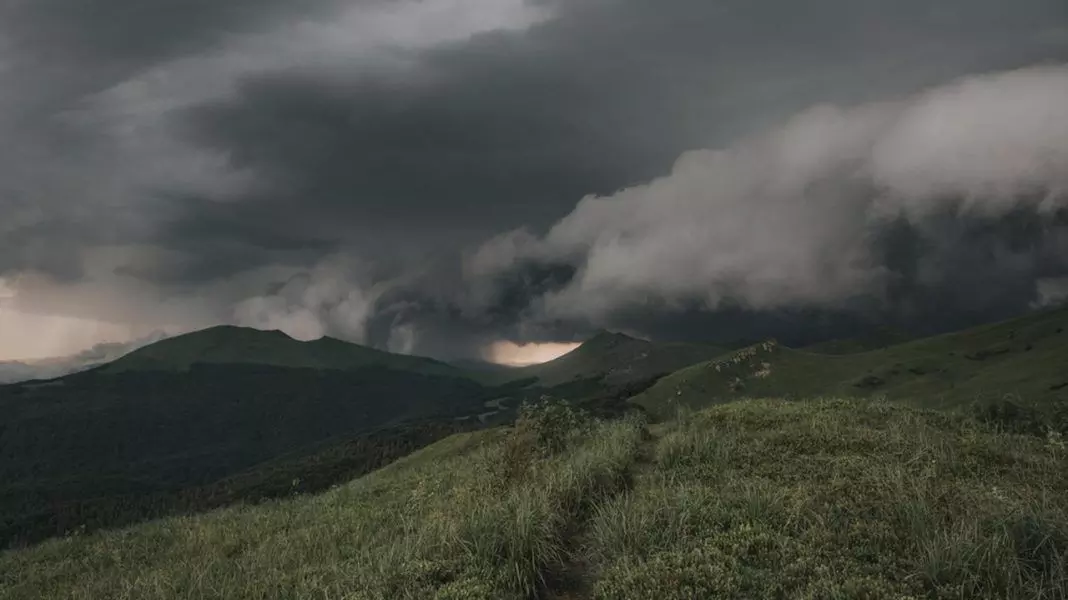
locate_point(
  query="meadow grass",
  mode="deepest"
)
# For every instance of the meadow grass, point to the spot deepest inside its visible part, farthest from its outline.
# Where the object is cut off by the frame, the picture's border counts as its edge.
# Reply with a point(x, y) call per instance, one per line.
point(1022, 357)
point(440, 523)
point(837, 499)
point(850, 499)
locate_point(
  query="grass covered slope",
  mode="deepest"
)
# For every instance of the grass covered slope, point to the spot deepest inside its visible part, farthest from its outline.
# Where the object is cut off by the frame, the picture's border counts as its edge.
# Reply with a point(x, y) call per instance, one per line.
point(1026, 357)
point(238, 345)
point(615, 358)
point(755, 499)
point(837, 499)
point(451, 519)
point(95, 450)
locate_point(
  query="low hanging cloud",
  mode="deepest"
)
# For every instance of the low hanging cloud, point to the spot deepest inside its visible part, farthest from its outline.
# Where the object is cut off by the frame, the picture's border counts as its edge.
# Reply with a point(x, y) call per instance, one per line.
point(952, 199)
point(1052, 291)
point(336, 297)
point(805, 214)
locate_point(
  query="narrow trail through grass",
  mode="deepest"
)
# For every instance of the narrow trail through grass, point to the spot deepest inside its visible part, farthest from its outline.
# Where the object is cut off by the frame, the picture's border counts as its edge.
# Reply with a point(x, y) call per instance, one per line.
point(573, 578)
point(819, 500)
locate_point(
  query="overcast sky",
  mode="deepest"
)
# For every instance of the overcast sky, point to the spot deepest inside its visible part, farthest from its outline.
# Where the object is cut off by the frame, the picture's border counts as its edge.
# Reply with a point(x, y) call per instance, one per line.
point(435, 176)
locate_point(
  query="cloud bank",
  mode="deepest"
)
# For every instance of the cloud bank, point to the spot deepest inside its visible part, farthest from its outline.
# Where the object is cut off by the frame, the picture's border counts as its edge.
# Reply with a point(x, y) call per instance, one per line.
point(800, 215)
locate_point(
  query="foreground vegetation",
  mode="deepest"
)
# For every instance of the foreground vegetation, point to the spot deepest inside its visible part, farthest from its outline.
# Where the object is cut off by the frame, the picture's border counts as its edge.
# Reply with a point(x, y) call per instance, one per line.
point(755, 499)
point(838, 499)
point(230, 415)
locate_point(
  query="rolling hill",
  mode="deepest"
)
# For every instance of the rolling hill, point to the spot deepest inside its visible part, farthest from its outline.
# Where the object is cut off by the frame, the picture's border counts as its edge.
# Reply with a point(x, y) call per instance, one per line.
point(1026, 357)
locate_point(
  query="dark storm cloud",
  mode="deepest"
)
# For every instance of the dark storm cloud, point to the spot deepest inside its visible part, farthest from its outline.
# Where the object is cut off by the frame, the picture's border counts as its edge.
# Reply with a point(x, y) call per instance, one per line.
point(139, 30)
point(94, 130)
point(511, 130)
point(212, 141)
point(937, 210)
point(62, 50)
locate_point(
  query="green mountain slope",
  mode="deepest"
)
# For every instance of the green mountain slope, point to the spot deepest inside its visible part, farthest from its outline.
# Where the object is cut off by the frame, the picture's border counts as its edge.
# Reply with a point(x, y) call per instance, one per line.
point(615, 358)
point(755, 499)
point(1026, 357)
point(166, 425)
point(178, 420)
point(238, 345)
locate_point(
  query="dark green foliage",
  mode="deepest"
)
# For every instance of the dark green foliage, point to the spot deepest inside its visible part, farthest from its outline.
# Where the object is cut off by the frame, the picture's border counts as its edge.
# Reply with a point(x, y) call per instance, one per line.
point(541, 430)
point(552, 424)
point(102, 449)
point(310, 470)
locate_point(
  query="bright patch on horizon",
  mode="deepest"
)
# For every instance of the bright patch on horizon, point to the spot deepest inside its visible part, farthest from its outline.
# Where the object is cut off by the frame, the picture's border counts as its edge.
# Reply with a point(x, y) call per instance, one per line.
point(30, 337)
point(521, 355)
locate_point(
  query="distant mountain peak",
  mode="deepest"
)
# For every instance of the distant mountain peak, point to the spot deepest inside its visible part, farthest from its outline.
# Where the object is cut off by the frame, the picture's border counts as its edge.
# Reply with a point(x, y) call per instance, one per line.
point(236, 330)
point(604, 339)
point(228, 344)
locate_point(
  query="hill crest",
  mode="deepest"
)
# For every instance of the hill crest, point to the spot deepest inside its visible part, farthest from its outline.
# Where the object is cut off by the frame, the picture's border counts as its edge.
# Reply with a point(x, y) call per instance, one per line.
point(1022, 357)
point(616, 358)
point(228, 344)
point(606, 340)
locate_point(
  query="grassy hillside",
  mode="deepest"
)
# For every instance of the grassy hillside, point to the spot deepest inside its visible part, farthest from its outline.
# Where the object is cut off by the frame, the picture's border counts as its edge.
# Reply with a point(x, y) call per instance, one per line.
point(615, 358)
point(169, 427)
point(309, 469)
point(238, 345)
point(756, 499)
point(93, 443)
point(1026, 358)
point(212, 420)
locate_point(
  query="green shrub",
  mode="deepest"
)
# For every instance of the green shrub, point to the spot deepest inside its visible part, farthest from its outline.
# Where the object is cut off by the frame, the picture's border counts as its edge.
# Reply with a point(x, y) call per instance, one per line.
point(555, 424)
point(541, 430)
